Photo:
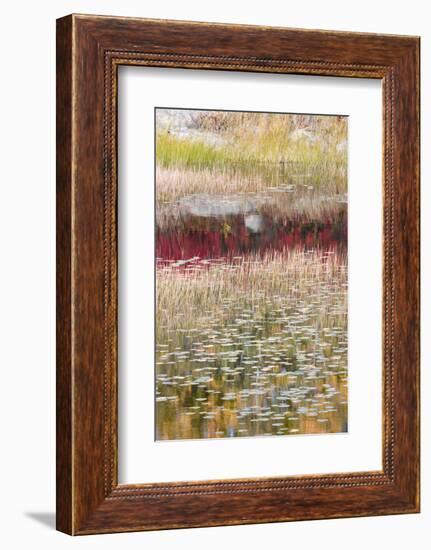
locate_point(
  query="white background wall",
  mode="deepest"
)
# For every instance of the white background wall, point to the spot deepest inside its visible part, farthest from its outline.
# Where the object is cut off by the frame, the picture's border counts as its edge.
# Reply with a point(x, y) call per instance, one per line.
point(27, 285)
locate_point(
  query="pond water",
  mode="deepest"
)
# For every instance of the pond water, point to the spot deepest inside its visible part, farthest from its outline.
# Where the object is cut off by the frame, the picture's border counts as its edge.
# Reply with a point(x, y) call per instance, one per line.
point(234, 235)
point(262, 373)
point(244, 351)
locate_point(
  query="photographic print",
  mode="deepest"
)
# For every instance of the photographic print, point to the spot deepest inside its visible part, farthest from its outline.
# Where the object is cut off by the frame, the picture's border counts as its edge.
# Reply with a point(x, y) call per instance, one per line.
point(251, 274)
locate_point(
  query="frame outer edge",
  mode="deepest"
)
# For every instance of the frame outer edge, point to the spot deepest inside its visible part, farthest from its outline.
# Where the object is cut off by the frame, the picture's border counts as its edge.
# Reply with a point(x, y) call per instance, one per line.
point(64, 300)
point(407, 274)
point(81, 506)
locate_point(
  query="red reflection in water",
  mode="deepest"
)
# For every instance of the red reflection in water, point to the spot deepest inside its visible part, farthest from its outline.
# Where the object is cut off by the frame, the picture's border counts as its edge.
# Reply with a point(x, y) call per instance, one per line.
point(226, 239)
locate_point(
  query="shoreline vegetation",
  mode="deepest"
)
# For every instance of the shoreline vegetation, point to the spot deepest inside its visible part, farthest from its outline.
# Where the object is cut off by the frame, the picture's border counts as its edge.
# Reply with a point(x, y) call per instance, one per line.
point(251, 274)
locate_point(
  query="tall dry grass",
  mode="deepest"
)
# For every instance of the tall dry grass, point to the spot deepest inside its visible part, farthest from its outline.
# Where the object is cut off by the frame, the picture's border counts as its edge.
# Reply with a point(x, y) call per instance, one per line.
point(175, 183)
point(185, 297)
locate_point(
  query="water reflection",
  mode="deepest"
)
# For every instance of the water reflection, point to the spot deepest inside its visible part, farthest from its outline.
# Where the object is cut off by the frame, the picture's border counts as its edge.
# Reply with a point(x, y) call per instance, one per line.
point(274, 365)
point(251, 333)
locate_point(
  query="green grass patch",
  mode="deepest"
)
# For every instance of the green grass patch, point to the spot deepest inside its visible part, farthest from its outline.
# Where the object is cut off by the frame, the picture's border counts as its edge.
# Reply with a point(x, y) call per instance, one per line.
point(187, 153)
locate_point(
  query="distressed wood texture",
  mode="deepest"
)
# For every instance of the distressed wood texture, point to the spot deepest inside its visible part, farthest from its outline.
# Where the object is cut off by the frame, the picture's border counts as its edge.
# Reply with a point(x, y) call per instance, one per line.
point(89, 50)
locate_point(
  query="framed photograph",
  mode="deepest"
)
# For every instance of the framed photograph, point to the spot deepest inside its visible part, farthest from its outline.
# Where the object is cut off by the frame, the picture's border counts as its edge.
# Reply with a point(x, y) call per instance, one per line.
point(237, 274)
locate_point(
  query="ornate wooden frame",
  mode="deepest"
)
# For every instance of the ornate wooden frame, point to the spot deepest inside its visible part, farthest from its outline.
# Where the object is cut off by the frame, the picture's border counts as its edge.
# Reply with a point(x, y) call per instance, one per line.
point(89, 51)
